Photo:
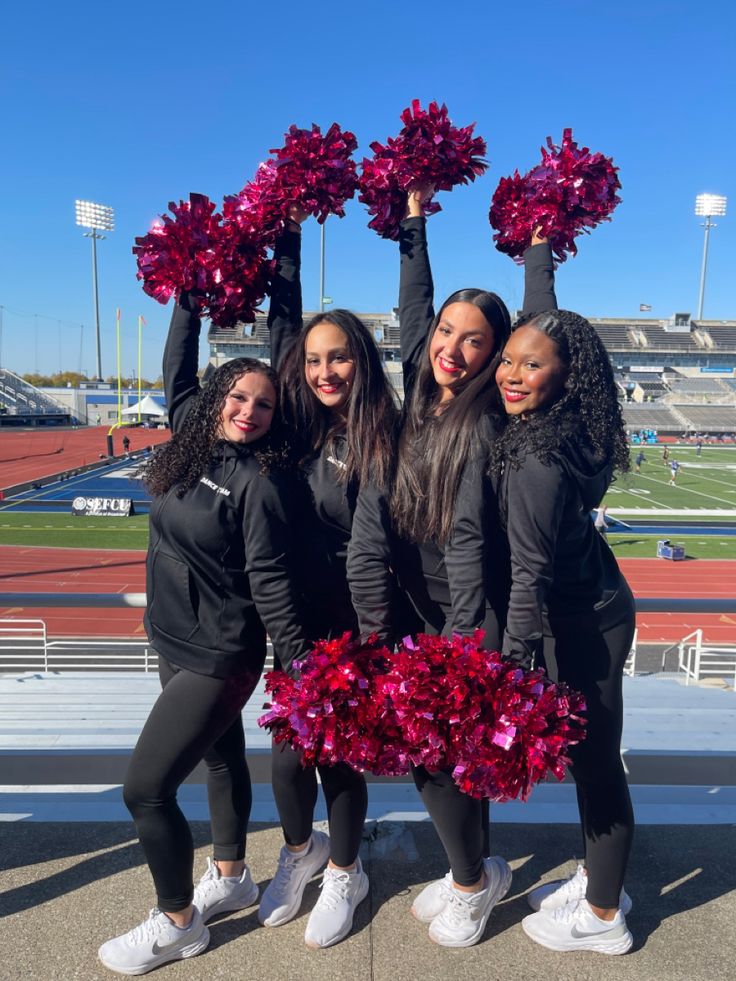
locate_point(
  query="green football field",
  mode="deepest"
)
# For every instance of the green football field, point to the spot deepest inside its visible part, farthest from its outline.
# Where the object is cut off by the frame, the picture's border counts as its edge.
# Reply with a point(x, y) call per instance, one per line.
point(705, 483)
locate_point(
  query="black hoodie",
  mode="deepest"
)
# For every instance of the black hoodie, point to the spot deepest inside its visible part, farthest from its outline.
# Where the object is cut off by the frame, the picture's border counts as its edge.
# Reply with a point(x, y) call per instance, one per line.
point(217, 569)
point(561, 568)
point(465, 584)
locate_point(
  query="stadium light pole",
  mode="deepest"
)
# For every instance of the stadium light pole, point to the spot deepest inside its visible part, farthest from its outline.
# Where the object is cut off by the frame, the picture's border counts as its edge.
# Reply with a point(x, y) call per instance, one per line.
point(707, 206)
point(98, 218)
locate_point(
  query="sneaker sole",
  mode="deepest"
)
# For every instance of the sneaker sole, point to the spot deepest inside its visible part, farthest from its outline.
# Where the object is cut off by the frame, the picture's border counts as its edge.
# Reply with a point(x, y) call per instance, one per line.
point(362, 893)
point(232, 905)
point(620, 946)
point(191, 950)
point(503, 888)
point(293, 909)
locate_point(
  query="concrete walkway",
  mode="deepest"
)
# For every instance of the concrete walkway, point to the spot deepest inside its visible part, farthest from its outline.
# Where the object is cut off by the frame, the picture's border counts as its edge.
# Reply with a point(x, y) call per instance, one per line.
point(68, 888)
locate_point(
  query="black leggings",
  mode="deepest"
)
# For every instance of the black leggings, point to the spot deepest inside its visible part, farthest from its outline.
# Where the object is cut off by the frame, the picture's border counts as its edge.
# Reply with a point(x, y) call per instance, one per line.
point(591, 660)
point(460, 821)
point(295, 793)
point(195, 718)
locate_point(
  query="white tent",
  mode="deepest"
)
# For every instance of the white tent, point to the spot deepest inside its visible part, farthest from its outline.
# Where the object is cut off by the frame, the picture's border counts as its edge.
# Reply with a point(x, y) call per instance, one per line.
point(146, 407)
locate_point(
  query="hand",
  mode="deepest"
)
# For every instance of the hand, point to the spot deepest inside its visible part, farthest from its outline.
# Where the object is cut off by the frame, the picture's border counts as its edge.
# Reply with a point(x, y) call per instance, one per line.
point(537, 237)
point(416, 198)
point(296, 215)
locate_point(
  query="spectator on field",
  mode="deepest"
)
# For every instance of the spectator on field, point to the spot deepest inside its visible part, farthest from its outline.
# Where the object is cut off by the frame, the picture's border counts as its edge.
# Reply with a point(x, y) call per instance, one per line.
point(126, 445)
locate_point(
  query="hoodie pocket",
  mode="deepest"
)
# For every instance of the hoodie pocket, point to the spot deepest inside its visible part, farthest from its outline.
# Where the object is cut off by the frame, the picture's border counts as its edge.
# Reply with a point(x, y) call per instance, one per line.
point(174, 607)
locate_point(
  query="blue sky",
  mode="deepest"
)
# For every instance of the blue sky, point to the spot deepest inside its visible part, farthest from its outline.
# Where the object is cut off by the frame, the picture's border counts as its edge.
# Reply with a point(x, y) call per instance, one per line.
point(136, 104)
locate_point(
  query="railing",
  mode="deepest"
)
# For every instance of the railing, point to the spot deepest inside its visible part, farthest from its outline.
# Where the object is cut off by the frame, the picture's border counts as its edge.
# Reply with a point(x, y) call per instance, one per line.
point(698, 660)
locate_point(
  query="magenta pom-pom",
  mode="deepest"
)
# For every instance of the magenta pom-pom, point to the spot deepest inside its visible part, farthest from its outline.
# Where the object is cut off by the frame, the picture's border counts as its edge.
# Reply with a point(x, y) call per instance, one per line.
point(196, 250)
point(313, 171)
point(570, 192)
point(429, 150)
point(434, 702)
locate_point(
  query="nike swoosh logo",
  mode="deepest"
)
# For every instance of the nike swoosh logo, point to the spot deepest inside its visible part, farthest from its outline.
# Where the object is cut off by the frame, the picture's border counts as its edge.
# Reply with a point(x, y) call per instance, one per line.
point(156, 950)
point(582, 934)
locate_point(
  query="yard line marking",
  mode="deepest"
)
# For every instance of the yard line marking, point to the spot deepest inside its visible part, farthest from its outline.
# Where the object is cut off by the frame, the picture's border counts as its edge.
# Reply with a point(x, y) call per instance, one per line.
point(710, 497)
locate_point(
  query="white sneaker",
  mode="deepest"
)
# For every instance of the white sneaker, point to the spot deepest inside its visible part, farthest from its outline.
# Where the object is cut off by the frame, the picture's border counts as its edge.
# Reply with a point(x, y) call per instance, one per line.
point(463, 920)
point(282, 897)
point(576, 927)
point(332, 918)
point(214, 893)
point(552, 895)
point(432, 899)
point(154, 942)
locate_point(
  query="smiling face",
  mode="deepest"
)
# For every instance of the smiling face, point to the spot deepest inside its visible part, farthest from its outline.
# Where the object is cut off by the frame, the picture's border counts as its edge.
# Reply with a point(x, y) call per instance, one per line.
point(249, 408)
point(531, 374)
point(329, 367)
point(461, 346)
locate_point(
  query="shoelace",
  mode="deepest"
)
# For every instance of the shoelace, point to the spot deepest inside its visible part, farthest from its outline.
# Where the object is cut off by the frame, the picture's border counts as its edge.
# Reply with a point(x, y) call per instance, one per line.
point(571, 885)
point(568, 912)
point(281, 881)
point(335, 885)
point(145, 930)
point(209, 880)
point(458, 908)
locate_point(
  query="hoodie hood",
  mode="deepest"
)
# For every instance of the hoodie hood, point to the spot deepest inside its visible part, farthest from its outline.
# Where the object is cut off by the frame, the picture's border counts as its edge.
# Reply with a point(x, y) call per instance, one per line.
point(592, 476)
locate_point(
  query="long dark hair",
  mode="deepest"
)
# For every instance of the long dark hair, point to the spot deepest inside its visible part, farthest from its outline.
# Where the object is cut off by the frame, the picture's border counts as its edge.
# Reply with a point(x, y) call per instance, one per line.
point(370, 421)
point(189, 452)
point(436, 441)
point(588, 409)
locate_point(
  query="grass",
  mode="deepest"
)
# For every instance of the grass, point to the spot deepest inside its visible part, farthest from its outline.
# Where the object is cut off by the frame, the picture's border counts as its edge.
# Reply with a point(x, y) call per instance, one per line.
point(65, 531)
point(703, 482)
point(633, 546)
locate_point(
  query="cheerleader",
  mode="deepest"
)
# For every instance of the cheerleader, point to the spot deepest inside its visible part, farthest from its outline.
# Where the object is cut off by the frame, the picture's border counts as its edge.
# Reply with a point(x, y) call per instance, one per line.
point(217, 571)
point(570, 609)
point(439, 531)
point(341, 410)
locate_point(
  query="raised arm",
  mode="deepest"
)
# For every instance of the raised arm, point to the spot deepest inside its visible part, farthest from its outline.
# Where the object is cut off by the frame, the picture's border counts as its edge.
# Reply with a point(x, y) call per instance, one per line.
point(416, 289)
point(368, 565)
point(181, 358)
point(285, 309)
point(539, 277)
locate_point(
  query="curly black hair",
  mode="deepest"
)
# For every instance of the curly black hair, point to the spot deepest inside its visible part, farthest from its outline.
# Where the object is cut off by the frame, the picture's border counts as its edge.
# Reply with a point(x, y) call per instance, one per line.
point(189, 452)
point(588, 409)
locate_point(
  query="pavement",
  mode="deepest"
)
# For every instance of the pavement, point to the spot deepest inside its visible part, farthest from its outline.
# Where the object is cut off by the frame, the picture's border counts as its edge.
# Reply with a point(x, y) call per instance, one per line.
point(68, 888)
point(73, 874)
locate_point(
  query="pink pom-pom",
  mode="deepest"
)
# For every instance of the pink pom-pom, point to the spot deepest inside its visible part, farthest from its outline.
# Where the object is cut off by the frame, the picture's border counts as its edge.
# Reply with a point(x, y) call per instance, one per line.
point(330, 712)
point(571, 191)
point(434, 702)
point(312, 171)
point(429, 150)
point(195, 250)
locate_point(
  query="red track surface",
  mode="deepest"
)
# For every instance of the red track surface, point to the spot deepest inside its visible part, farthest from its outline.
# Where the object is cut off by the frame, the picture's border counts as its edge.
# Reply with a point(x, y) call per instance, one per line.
point(29, 454)
point(59, 570)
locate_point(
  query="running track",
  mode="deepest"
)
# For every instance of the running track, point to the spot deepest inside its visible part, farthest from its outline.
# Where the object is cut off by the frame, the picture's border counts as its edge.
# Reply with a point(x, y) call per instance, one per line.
point(76, 570)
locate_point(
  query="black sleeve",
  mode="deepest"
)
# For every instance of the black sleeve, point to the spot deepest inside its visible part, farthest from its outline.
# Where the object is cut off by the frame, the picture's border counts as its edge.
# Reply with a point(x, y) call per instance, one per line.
point(285, 309)
point(369, 564)
point(181, 358)
point(535, 495)
point(465, 551)
point(268, 536)
point(539, 279)
point(416, 295)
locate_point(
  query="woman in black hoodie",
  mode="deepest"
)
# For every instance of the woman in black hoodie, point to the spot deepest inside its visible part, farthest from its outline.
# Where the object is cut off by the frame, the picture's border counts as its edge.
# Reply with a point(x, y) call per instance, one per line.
point(438, 530)
point(217, 576)
point(570, 609)
point(341, 410)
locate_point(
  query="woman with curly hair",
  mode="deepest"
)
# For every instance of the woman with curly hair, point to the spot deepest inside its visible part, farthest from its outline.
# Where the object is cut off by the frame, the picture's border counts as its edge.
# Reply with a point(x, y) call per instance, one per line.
point(438, 529)
point(217, 577)
point(341, 410)
point(570, 609)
